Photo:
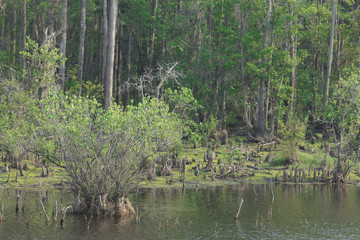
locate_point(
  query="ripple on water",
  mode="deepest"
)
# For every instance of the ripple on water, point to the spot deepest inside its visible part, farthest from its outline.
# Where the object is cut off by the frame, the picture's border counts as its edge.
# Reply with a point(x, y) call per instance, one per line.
point(298, 212)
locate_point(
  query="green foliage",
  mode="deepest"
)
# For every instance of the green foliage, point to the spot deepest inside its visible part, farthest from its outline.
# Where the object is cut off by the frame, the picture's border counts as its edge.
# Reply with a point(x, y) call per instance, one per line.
point(41, 64)
point(200, 134)
point(105, 153)
point(17, 109)
point(292, 133)
point(93, 90)
point(182, 102)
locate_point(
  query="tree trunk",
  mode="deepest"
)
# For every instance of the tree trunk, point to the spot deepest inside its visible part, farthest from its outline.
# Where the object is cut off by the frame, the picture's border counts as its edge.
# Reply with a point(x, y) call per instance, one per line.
point(50, 15)
point(242, 76)
point(150, 52)
point(261, 124)
point(330, 55)
point(76, 206)
point(128, 68)
point(14, 34)
point(223, 103)
point(23, 28)
point(108, 84)
point(119, 64)
point(273, 117)
point(293, 68)
point(104, 42)
point(3, 10)
point(81, 43)
point(64, 28)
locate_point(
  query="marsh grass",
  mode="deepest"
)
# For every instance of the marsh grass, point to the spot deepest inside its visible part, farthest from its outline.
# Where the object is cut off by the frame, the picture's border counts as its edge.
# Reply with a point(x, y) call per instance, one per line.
point(227, 155)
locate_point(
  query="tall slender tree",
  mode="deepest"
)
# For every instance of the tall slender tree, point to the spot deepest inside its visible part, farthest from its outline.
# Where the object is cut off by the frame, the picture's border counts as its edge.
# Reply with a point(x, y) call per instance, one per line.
point(23, 34)
point(261, 123)
point(64, 29)
point(110, 54)
point(330, 54)
point(150, 51)
point(104, 40)
point(81, 43)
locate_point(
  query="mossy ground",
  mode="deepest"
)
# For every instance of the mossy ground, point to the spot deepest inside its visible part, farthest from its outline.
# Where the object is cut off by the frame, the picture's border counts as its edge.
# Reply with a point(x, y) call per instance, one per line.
point(256, 170)
point(32, 177)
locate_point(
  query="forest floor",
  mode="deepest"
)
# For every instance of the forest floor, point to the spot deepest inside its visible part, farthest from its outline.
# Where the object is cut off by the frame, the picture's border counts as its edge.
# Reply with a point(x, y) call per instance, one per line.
point(233, 163)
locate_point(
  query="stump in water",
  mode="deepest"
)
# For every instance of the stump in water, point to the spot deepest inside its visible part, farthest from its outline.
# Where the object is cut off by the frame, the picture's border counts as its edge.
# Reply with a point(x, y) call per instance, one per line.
point(124, 207)
point(285, 175)
point(296, 174)
point(17, 194)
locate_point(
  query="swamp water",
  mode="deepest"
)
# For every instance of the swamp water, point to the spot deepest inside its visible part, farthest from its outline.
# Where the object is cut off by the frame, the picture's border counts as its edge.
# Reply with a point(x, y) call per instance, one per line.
point(269, 211)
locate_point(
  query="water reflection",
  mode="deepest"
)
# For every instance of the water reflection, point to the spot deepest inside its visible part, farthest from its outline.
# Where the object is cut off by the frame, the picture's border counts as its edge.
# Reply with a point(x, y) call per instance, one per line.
point(300, 211)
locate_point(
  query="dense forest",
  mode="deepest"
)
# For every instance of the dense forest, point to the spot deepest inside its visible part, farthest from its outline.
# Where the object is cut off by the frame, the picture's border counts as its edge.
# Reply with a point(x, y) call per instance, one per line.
point(270, 70)
point(247, 62)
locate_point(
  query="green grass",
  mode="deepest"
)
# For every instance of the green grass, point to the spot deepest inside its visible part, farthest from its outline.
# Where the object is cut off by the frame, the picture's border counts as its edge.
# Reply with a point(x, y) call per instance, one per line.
point(32, 177)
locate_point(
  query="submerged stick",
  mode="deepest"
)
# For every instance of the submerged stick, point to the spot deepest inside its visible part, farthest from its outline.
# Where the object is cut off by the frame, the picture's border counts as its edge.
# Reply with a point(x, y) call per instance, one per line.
point(2, 214)
point(42, 205)
point(137, 216)
point(272, 192)
point(63, 214)
point(88, 222)
point(241, 202)
point(56, 210)
point(255, 191)
point(27, 224)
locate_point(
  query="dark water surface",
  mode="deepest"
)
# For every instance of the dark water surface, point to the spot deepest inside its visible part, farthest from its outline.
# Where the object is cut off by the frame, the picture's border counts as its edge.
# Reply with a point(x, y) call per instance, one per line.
point(297, 212)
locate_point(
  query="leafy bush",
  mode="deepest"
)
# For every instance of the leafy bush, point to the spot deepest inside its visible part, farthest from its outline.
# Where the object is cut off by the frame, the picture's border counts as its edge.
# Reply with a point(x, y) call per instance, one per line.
point(105, 153)
point(291, 133)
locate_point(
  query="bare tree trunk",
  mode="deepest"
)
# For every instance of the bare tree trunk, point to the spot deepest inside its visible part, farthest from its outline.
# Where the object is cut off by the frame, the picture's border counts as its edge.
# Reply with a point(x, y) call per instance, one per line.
point(51, 19)
point(104, 42)
point(150, 51)
point(108, 84)
point(64, 28)
point(128, 67)
point(119, 64)
point(293, 67)
point(330, 55)
point(338, 57)
point(162, 41)
point(243, 88)
point(23, 28)
point(223, 102)
point(267, 99)
point(14, 34)
point(261, 126)
point(3, 11)
point(272, 123)
point(81, 43)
